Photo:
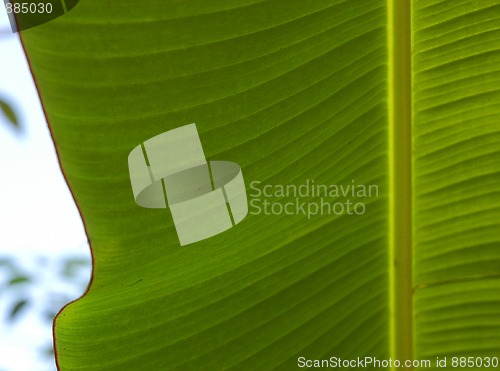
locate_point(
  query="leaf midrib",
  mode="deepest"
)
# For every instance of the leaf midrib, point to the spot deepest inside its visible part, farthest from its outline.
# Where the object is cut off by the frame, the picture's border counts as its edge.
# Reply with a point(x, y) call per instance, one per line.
point(400, 163)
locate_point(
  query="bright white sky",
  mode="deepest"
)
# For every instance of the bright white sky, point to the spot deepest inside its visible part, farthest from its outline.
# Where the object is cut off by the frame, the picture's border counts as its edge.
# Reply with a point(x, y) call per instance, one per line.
point(37, 213)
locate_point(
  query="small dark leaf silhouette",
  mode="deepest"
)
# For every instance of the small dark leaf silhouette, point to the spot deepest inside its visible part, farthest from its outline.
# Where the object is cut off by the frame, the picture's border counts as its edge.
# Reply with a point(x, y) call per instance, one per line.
point(19, 280)
point(9, 112)
point(17, 309)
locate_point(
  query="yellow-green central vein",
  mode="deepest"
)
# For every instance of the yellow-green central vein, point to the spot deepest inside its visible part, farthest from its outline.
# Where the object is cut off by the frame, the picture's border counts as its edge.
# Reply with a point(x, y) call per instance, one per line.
point(399, 105)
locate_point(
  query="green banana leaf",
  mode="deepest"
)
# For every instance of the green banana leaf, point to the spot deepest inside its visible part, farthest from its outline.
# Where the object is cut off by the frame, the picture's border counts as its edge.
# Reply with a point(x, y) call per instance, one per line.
point(397, 94)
